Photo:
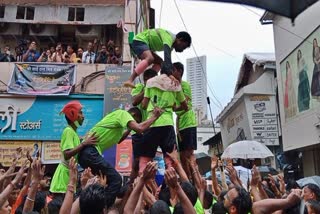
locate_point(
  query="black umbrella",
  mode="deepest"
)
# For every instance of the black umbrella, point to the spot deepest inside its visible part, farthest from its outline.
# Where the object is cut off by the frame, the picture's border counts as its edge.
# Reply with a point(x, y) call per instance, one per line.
point(287, 8)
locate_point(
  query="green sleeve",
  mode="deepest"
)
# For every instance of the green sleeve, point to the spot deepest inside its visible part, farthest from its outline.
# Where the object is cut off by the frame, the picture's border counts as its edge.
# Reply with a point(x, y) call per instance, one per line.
point(124, 118)
point(147, 92)
point(166, 37)
point(137, 90)
point(68, 139)
point(180, 96)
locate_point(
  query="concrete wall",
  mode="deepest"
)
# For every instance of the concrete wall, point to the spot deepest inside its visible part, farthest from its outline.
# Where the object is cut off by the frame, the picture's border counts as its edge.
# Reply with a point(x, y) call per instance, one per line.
point(300, 131)
point(58, 14)
point(64, 2)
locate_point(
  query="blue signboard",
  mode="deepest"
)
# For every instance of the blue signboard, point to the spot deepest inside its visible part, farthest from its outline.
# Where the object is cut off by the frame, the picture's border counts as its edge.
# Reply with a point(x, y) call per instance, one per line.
point(39, 118)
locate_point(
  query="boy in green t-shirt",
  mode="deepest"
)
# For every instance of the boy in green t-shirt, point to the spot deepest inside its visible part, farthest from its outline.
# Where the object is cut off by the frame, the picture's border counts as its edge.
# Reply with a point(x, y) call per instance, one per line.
point(137, 139)
point(186, 122)
point(70, 146)
point(161, 132)
point(110, 131)
point(146, 43)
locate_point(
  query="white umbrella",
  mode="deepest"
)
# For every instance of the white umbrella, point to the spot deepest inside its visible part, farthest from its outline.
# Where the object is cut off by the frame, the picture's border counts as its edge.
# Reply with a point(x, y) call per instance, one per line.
point(247, 149)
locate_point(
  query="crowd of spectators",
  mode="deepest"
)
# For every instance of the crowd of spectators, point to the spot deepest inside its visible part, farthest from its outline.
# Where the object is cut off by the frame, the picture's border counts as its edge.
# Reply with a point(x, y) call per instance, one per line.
point(95, 52)
point(25, 190)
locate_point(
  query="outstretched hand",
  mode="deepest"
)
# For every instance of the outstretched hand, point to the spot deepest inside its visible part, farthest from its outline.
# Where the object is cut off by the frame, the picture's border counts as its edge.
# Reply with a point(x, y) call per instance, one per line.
point(150, 171)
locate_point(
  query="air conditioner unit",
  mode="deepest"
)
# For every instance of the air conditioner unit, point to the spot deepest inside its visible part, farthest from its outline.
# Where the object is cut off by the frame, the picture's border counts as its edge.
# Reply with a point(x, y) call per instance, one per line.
point(10, 28)
point(43, 30)
point(88, 31)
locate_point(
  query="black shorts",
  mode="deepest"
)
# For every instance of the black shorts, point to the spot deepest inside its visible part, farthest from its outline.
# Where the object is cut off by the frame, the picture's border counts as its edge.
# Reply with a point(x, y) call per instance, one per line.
point(139, 47)
point(163, 136)
point(137, 144)
point(188, 139)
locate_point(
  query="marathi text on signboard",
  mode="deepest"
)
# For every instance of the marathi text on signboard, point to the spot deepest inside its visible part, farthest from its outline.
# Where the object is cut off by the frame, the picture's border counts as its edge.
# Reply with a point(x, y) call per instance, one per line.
point(117, 96)
point(42, 79)
point(51, 153)
point(29, 118)
point(8, 149)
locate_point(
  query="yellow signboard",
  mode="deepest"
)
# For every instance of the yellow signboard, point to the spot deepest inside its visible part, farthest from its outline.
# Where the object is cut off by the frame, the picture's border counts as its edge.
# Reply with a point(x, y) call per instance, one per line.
point(8, 149)
point(51, 152)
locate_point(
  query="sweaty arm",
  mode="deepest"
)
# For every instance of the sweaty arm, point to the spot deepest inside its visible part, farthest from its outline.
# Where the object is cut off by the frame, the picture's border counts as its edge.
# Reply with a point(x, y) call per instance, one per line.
point(167, 66)
point(141, 127)
point(137, 99)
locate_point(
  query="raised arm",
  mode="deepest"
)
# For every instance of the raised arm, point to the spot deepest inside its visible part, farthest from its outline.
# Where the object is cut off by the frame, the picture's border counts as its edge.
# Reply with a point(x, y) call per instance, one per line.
point(172, 181)
point(68, 198)
point(141, 127)
point(148, 173)
point(37, 175)
point(267, 206)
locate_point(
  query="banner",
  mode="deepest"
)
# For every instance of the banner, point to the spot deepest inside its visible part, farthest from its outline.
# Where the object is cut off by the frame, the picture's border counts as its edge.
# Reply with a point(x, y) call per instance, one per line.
point(124, 156)
point(116, 96)
point(39, 118)
point(51, 153)
point(8, 149)
point(42, 79)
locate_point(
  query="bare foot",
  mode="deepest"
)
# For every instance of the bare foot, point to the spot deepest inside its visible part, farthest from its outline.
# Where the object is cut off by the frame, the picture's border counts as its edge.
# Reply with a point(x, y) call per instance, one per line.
point(128, 84)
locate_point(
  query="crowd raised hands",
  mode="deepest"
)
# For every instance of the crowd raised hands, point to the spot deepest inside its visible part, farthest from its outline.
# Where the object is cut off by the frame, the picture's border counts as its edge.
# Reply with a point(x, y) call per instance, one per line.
point(178, 193)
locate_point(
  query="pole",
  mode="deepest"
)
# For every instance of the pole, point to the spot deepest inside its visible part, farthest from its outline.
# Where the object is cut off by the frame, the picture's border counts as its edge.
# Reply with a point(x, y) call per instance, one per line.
point(214, 128)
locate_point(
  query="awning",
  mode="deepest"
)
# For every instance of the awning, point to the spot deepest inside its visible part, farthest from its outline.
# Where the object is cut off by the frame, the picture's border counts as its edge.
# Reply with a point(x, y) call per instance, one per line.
point(215, 140)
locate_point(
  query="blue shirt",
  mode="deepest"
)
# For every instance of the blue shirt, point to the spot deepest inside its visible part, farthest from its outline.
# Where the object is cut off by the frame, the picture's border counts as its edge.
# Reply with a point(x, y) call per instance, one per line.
point(33, 56)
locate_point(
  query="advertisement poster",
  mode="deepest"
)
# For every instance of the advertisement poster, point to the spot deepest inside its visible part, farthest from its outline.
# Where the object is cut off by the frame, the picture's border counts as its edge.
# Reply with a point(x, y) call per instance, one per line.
point(42, 79)
point(8, 149)
point(51, 153)
point(116, 96)
point(300, 74)
point(124, 156)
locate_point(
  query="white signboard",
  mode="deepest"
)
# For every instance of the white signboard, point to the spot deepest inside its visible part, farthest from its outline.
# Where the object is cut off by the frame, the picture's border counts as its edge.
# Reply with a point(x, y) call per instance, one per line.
point(264, 122)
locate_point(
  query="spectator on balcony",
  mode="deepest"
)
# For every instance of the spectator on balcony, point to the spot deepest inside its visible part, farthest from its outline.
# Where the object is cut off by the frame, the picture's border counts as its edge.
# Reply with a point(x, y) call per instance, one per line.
point(19, 54)
point(79, 55)
point(117, 57)
point(31, 55)
point(102, 55)
point(70, 56)
point(6, 56)
point(89, 56)
point(58, 56)
point(46, 56)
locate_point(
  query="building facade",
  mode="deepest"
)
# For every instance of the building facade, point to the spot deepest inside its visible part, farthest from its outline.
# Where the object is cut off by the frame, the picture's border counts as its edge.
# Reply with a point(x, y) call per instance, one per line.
point(252, 112)
point(197, 77)
point(297, 60)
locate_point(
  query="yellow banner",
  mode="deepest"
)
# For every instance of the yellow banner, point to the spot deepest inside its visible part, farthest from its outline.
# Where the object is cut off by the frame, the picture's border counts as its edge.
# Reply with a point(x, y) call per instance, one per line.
point(8, 149)
point(51, 152)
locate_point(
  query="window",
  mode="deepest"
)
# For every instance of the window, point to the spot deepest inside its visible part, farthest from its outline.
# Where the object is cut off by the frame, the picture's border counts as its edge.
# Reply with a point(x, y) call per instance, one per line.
point(30, 13)
point(2, 9)
point(25, 13)
point(199, 138)
point(76, 14)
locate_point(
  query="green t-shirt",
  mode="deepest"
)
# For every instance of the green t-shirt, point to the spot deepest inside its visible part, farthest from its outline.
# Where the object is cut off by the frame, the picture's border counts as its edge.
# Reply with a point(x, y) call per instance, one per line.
point(110, 129)
point(69, 140)
point(198, 207)
point(137, 90)
point(156, 38)
point(187, 119)
point(165, 100)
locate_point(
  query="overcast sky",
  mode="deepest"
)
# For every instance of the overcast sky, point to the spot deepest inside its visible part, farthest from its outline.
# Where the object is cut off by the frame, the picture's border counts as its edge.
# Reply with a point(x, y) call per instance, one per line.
point(221, 31)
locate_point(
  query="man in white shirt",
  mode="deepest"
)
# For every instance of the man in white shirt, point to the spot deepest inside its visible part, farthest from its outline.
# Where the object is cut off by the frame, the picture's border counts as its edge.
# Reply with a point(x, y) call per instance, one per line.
point(89, 56)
